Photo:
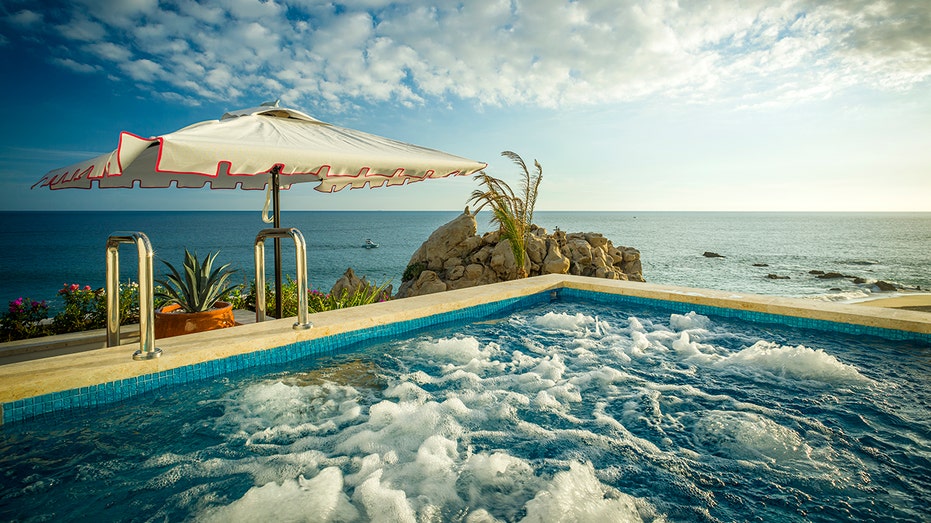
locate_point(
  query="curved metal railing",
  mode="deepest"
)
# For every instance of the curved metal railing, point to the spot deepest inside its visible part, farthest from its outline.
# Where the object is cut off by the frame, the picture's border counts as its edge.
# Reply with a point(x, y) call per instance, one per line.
point(147, 349)
point(300, 249)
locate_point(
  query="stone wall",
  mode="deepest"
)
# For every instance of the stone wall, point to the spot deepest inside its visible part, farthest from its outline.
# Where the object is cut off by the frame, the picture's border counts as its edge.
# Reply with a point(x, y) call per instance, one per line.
point(455, 257)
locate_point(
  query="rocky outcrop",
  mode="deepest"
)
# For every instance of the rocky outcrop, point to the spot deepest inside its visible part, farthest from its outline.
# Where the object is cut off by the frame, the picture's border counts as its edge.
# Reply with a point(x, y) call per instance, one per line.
point(350, 284)
point(455, 257)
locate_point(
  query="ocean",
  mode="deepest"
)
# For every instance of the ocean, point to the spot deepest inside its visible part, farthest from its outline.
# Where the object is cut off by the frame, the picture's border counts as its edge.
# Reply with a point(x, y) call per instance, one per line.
point(42, 251)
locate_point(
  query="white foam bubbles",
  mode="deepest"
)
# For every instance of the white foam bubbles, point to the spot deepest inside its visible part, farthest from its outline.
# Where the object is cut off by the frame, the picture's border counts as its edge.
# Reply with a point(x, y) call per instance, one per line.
point(577, 495)
point(691, 320)
point(320, 498)
point(458, 350)
point(560, 321)
point(749, 436)
point(797, 362)
point(383, 503)
point(693, 351)
point(267, 412)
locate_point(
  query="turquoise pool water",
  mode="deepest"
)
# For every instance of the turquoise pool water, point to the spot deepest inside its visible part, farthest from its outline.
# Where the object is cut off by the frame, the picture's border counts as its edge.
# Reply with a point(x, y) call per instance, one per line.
point(566, 409)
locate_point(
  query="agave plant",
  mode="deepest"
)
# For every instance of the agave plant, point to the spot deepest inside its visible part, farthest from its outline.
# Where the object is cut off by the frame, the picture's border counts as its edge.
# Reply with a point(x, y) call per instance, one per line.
point(512, 213)
point(200, 287)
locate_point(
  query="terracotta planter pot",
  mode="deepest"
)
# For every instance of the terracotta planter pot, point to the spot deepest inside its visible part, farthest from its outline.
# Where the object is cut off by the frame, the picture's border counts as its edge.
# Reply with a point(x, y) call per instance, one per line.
point(170, 323)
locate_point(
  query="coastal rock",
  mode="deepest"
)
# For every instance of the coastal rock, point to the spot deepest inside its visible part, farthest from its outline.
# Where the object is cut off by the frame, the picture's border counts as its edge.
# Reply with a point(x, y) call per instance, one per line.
point(555, 262)
point(536, 249)
point(428, 283)
point(503, 262)
point(453, 239)
point(455, 257)
point(348, 282)
point(776, 277)
point(709, 254)
point(885, 286)
point(351, 284)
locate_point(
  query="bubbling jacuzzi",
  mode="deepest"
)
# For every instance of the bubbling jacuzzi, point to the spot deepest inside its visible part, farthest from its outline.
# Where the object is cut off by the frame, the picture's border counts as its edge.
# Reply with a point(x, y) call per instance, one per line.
point(569, 410)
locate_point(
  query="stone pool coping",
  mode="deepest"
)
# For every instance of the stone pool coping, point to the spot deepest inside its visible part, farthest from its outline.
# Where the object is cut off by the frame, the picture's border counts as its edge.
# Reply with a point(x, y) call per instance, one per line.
point(45, 377)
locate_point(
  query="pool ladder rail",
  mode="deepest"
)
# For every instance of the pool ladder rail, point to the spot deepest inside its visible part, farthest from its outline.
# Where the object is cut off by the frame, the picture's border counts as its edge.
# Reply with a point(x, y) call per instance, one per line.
point(147, 349)
point(300, 252)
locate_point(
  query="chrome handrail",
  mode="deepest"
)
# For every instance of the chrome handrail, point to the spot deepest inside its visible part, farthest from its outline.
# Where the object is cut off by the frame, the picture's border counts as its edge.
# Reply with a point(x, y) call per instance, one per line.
point(147, 349)
point(300, 251)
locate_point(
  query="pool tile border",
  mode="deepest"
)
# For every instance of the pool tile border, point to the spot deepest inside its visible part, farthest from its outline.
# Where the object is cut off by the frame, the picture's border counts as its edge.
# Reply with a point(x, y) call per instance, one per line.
point(224, 352)
point(749, 315)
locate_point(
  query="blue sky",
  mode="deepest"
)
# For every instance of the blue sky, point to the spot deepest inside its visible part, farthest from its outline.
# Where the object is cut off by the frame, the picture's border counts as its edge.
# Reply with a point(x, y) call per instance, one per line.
point(629, 106)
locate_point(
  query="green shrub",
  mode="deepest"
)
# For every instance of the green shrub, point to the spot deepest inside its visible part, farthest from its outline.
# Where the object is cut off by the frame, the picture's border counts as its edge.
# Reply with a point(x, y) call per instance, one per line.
point(316, 301)
point(412, 272)
point(319, 302)
point(84, 309)
point(24, 319)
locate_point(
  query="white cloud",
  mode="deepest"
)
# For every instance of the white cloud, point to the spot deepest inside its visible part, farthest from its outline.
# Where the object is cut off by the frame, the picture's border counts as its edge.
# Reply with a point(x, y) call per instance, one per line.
point(25, 18)
point(541, 53)
point(82, 29)
point(143, 70)
point(77, 67)
point(111, 52)
point(123, 14)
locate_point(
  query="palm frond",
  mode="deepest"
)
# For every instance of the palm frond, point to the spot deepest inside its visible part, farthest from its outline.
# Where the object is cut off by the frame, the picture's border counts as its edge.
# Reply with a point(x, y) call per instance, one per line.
point(513, 214)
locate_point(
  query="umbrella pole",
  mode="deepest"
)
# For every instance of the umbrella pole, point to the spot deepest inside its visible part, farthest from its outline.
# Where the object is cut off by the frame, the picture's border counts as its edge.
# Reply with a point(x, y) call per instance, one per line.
point(276, 213)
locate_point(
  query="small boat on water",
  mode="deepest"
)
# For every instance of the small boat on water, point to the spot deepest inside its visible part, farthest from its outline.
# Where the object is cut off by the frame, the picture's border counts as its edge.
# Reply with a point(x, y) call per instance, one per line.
point(369, 244)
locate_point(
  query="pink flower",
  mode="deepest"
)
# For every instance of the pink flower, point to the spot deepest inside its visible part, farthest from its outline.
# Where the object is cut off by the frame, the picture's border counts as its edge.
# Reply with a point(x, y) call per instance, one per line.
point(87, 287)
point(74, 287)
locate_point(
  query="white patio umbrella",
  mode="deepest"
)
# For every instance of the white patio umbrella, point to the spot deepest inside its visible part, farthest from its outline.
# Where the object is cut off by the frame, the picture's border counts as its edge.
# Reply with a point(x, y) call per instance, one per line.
point(258, 148)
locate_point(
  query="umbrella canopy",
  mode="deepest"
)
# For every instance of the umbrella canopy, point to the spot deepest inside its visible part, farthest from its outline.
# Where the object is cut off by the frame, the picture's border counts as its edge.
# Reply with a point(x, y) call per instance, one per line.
point(266, 146)
point(241, 149)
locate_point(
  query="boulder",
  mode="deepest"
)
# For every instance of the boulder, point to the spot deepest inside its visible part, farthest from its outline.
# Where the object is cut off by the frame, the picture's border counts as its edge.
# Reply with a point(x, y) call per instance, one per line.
point(450, 240)
point(474, 271)
point(536, 248)
point(428, 283)
point(709, 254)
point(503, 262)
point(350, 284)
point(885, 286)
point(596, 239)
point(456, 272)
point(634, 270)
point(555, 262)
